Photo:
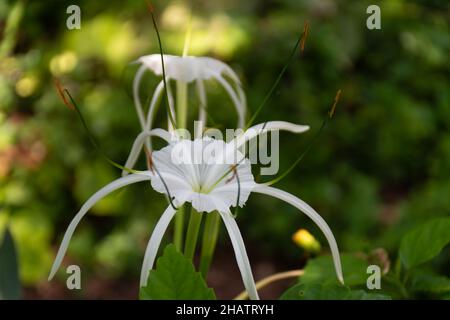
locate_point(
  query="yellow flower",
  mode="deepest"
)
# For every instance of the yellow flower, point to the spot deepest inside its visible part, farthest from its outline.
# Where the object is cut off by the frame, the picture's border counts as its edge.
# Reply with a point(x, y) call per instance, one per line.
point(306, 240)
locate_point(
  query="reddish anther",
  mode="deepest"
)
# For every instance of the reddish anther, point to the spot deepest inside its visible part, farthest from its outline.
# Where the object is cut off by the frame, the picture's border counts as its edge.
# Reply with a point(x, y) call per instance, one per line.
point(336, 100)
point(150, 7)
point(148, 153)
point(304, 36)
point(233, 168)
point(61, 94)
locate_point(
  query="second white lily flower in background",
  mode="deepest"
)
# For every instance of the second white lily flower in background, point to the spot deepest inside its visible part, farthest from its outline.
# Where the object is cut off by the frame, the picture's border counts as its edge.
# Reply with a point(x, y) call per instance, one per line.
point(187, 70)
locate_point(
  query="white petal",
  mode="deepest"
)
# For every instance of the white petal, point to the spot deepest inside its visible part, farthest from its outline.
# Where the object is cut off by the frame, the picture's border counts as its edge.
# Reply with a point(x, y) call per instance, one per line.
point(119, 183)
point(236, 101)
point(243, 99)
point(171, 106)
point(153, 244)
point(137, 101)
point(225, 155)
point(218, 67)
point(194, 171)
point(153, 104)
point(176, 186)
point(175, 177)
point(187, 68)
point(206, 203)
point(256, 130)
point(164, 160)
point(241, 254)
point(311, 213)
point(177, 68)
point(227, 190)
point(139, 142)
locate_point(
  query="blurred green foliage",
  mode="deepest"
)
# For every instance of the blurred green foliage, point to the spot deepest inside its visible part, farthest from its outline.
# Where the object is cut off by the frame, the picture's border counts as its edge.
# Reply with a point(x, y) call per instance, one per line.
point(412, 276)
point(381, 167)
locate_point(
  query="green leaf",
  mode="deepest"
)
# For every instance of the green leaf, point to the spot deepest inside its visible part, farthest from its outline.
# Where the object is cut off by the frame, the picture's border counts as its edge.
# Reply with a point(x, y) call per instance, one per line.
point(303, 291)
point(428, 281)
point(425, 242)
point(321, 270)
point(175, 279)
point(9, 272)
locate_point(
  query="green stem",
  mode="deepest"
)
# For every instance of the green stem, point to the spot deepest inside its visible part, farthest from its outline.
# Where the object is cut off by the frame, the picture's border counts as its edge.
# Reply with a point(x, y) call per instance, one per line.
point(178, 232)
point(182, 95)
point(192, 233)
point(209, 241)
point(181, 101)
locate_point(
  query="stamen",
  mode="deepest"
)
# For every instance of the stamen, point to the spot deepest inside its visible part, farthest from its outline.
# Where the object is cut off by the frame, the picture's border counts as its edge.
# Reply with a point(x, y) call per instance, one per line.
point(233, 168)
point(336, 100)
point(152, 167)
point(264, 126)
point(330, 114)
point(155, 25)
point(150, 7)
point(304, 36)
point(224, 175)
point(73, 105)
point(301, 40)
point(239, 192)
point(61, 94)
point(148, 154)
point(235, 174)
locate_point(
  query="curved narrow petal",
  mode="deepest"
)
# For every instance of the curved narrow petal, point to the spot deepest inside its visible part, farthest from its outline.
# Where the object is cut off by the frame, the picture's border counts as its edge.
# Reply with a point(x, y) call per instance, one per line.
point(211, 65)
point(241, 254)
point(258, 129)
point(139, 142)
point(153, 104)
point(311, 213)
point(119, 183)
point(154, 242)
point(231, 74)
point(171, 106)
point(243, 99)
point(236, 101)
point(137, 101)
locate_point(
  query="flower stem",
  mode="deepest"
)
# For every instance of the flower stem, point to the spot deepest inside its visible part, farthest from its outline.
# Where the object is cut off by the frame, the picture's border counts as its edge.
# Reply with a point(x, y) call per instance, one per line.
point(209, 241)
point(178, 231)
point(181, 124)
point(195, 220)
point(275, 277)
point(182, 101)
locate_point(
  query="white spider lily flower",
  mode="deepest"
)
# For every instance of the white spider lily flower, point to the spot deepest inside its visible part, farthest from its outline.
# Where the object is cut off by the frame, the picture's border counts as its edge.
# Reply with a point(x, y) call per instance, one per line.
point(188, 69)
point(213, 176)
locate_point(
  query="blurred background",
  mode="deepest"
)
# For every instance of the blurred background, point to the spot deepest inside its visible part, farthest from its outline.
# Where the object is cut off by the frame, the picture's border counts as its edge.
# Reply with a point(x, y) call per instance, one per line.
point(381, 167)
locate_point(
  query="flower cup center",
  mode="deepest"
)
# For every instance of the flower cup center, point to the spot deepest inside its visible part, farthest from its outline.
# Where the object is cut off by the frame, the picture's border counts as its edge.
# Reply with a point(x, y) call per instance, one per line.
point(204, 164)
